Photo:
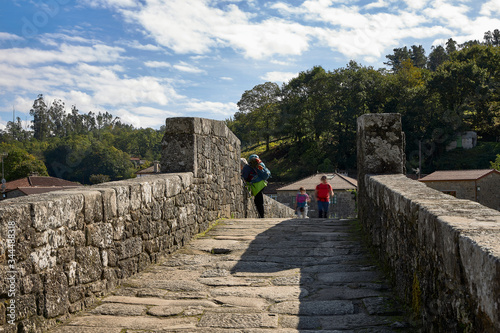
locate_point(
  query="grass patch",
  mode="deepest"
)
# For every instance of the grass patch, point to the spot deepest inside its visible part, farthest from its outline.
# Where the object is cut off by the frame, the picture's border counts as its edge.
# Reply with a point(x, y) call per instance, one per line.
point(210, 227)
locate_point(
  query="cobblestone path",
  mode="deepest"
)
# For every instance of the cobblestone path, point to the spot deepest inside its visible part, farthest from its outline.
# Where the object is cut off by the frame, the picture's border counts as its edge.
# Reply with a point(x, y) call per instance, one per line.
point(253, 275)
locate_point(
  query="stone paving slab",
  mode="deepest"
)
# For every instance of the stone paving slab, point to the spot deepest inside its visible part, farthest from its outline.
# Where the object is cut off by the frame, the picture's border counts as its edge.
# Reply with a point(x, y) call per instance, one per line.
point(255, 276)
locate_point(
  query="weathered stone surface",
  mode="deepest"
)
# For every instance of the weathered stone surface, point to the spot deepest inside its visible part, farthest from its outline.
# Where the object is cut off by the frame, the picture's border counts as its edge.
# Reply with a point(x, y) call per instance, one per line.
point(443, 251)
point(380, 144)
point(129, 248)
point(93, 206)
point(57, 209)
point(100, 235)
point(89, 266)
point(133, 323)
point(158, 301)
point(313, 308)
point(381, 306)
point(260, 306)
point(165, 311)
point(258, 303)
point(55, 298)
point(238, 320)
point(115, 309)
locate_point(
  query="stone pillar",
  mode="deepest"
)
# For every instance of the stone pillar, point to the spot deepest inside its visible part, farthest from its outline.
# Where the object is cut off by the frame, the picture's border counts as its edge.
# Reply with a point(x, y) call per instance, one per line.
point(209, 150)
point(380, 150)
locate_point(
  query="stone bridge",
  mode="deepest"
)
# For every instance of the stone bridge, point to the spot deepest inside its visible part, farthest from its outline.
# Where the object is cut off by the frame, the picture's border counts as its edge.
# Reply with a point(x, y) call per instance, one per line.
point(183, 252)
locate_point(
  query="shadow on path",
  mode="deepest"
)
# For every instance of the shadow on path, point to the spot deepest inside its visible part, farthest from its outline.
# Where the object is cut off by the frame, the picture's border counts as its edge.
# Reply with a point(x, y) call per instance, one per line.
point(323, 278)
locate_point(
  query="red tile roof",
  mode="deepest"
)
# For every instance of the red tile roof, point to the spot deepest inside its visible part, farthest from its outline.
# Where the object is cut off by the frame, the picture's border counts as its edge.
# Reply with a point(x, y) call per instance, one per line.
point(39, 181)
point(37, 190)
point(458, 175)
point(338, 182)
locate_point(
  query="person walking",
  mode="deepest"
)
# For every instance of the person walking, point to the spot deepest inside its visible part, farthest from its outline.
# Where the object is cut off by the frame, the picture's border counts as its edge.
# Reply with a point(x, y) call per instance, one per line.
point(256, 175)
point(301, 203)
point(322, 194)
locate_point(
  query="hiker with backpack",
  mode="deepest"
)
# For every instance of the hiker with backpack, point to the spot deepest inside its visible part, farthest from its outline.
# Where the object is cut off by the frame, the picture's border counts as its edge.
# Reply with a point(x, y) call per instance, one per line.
point(301, 203)
point(256, 175)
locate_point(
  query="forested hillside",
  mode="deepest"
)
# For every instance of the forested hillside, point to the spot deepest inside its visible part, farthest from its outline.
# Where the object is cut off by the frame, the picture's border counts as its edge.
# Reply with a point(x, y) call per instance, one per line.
point(312, 118)
point(306, 125)
point(75, 146)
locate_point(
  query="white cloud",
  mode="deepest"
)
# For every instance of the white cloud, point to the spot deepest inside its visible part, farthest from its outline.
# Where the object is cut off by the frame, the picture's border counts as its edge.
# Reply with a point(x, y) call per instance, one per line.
point(185, 67)
point(491, 8)
point(452, 16)
point(281, 63)
point(378, 4)
point(8, 36)
point(111, 3)
point(145, 47)
point(192, 26)
point(55, 38)
point(145, 116)
point(209, 109)
point(87, 86)
point(279, 77)
point(225, 78)
point(416, 4)
point(67, 54)
point(157, 64)
point(476, 28)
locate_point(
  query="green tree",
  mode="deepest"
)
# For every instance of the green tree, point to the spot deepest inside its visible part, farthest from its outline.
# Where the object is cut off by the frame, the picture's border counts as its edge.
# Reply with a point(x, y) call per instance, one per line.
point(467, 87)
point(437, 57)
point(58, 125)
point(16, 131)
point(41, 119)
point(451, 46)
point(99, 179)
point(19, 163)
point(417, 56)
point(396, 59)
point(262, 103)
point(496, 164)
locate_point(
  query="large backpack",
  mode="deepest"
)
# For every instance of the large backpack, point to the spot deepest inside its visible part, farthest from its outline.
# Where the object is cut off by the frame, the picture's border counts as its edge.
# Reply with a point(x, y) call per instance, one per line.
point(263, 172)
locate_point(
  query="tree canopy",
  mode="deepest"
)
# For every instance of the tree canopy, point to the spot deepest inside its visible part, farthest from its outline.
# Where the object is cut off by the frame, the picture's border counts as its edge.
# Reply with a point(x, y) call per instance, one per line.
point(75, 146)
point(454, 89)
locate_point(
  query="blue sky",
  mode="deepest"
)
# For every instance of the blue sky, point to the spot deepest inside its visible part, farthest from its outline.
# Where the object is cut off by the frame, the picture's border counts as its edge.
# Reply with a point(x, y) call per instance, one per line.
point(146, 60)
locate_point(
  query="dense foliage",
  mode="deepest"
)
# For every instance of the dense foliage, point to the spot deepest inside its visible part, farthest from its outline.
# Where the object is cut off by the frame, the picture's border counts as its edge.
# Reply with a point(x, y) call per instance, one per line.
point(313, 116)
point(87, 148)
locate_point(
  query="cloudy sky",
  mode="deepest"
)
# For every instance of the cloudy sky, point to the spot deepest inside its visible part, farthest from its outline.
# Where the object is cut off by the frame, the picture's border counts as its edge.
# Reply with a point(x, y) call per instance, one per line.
point(146, 60)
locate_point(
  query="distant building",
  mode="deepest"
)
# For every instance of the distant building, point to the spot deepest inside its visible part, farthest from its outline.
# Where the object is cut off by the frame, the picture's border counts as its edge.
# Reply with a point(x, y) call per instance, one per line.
point(482, 186)
point(35, 185)
point(271, 190)
point(154, 169)
point(137, 161)
point(343, 204)
point(466, 140)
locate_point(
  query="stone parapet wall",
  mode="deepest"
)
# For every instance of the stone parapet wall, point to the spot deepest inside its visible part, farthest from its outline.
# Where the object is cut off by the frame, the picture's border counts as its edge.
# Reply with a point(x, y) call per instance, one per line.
point(443, 252)
point(73, 246)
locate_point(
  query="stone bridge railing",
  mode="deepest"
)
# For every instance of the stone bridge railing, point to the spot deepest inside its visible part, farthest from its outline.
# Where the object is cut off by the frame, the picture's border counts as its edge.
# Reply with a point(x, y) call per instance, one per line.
point(444, 253)
point(59, 251)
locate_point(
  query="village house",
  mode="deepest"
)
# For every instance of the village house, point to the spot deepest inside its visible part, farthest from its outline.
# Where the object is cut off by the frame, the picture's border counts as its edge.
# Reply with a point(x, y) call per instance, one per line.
point(482, 186)
point(35, 185)
point(154, 169)
point(343, 204)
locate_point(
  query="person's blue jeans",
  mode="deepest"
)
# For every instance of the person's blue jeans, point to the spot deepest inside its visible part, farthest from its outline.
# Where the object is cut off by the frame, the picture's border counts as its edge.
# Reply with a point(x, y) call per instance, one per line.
point(323, 209)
